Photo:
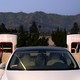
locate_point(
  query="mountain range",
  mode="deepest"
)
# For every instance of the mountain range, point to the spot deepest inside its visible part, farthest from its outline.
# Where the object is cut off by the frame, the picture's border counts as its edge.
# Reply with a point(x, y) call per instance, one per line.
point(47, 21)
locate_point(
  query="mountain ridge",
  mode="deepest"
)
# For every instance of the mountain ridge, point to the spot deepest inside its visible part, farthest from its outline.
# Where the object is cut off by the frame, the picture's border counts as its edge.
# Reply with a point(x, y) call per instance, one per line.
point(48, 21)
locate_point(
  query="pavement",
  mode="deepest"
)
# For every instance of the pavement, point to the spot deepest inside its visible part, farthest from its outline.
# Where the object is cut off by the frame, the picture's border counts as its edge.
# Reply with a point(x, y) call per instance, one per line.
point(1, 72)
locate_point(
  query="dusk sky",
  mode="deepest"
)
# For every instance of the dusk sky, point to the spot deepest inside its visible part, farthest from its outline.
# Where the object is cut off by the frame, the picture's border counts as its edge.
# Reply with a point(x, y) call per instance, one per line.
point(64, 7)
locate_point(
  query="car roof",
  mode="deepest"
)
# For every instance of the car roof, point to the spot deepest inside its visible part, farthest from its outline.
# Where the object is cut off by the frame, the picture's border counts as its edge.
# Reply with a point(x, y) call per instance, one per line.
point(41, 48)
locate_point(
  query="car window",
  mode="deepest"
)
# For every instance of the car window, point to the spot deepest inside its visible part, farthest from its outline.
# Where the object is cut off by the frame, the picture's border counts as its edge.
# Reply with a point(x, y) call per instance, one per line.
point(42, 60)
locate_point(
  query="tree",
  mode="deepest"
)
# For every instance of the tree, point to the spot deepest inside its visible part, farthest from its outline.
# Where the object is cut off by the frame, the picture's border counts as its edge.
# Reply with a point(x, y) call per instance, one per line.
point(59, 37)
point(3, 28)
point(33, 28)
point(12, 31)
point(74, 29)
point(43, 41)
point(21, 37)
point(33, 34)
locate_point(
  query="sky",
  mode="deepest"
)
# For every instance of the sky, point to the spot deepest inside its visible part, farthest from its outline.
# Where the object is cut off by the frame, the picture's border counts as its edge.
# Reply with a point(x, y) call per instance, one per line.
point(64, 7)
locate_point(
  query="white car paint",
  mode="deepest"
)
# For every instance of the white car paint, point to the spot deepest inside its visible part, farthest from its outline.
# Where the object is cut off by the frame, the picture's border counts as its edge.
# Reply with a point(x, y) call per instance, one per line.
point(42, 75)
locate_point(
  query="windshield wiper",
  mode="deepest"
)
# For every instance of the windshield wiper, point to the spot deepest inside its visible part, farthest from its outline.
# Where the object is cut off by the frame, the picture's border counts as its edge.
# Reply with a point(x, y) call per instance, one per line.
point(21, 62)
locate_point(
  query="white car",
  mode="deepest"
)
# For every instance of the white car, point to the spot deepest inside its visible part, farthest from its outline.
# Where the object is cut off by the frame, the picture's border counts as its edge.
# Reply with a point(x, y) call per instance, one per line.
point(41, 63)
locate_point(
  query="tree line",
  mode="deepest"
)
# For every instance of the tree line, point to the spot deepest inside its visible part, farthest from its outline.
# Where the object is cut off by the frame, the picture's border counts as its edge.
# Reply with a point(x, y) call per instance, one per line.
point(32, 37)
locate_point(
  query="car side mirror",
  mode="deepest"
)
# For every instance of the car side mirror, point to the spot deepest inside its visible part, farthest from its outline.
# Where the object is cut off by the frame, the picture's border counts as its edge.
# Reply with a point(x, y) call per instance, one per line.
point(2, 66)
point(79, 66)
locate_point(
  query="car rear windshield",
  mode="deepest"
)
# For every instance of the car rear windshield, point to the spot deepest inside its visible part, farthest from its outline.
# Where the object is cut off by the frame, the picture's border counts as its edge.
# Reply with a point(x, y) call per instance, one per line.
point(42, 60)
